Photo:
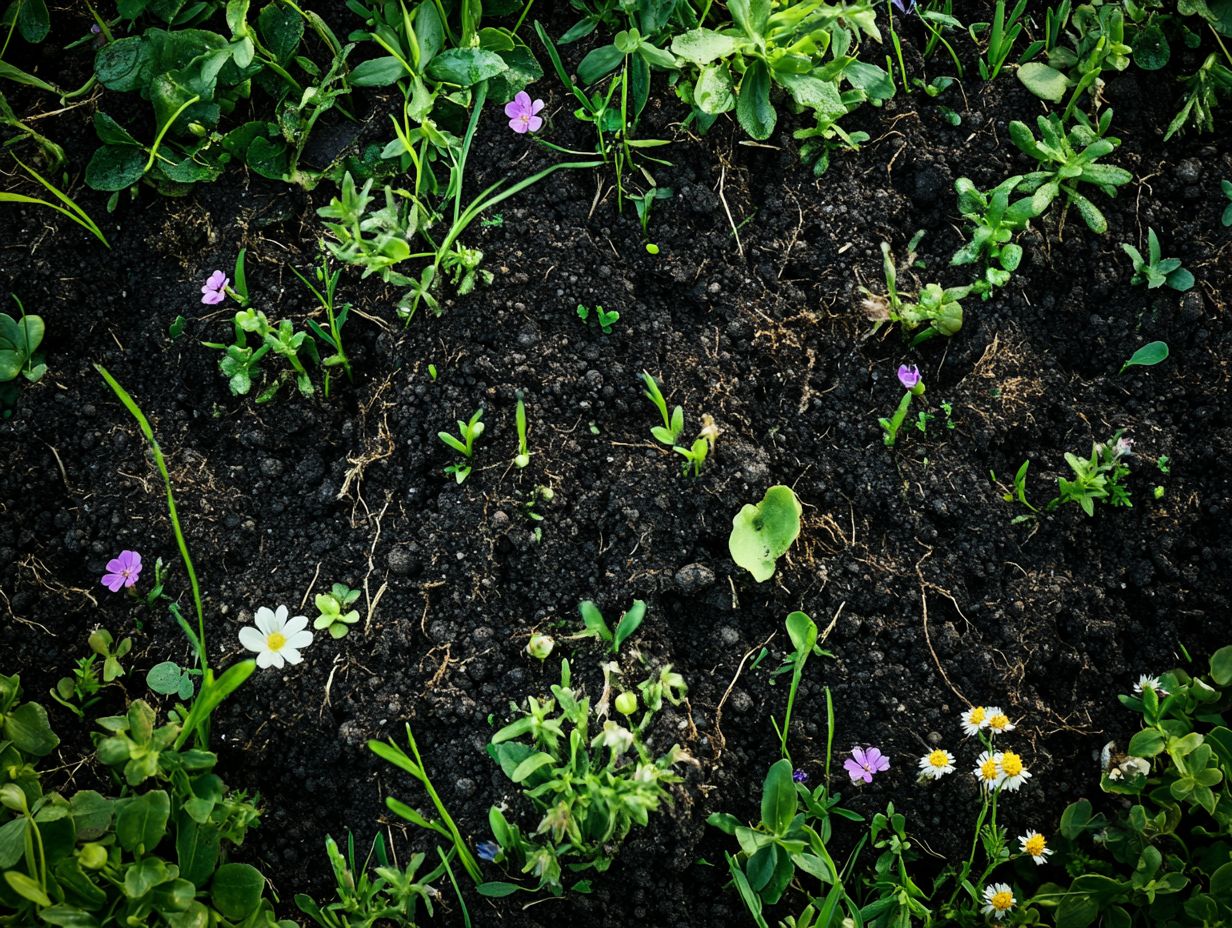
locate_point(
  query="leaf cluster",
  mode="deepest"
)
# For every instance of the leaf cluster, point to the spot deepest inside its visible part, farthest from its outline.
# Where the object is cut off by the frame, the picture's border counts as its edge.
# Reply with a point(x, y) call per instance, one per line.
point(334, 614)
point(1096, 479)
point(589, 791)
point(19, 346)
point(241, 361)
point(463, 444)
point(1156, 270)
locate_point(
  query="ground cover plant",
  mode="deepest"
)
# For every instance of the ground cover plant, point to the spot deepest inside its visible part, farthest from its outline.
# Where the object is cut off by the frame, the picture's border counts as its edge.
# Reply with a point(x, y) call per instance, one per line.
point(661, 462)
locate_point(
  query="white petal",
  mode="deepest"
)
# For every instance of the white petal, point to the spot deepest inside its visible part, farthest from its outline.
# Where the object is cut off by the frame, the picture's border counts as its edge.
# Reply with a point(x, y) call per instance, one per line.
point(280, 615)
point(297, 624)
point(252, 639)
point(264, 620)
point(292, 656)
point(268, 659)
point(300, 639)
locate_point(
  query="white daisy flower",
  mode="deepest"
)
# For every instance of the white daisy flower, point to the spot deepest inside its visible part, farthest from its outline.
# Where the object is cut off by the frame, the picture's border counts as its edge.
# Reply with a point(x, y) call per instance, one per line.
point(1013, 770)
point(998, 722)
point(973, 720)
point(1036, 845)
point(1153, 682)
point(276, 639)
point(988, 770)
point(936, 764)
point(998, 899)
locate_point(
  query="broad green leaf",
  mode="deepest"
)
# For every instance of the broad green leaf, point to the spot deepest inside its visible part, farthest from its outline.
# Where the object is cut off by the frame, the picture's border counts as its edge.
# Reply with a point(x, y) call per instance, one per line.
point(141, 821)
point(26, 888)
point(820, 96)
point(465, 66)
point(119, 64)
point(753, 107)
point(27, 727)
point(629, 623)
point(762, 533)
point(713, 92)
point(91, 813)
point(599, 62)
point(281, 30)
point(236, 891)
point(33, 21)
point(1221, 666)
point(12, 842)
point(1148, 355)
point(778, 797)
point(196, 848)
point(702, 46)
point(114, 168)
point(377, 72)
point(1045, 82)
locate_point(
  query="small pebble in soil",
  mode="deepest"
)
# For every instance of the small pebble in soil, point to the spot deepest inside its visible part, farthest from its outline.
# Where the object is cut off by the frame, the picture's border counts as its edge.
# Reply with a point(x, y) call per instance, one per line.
point(693, 577)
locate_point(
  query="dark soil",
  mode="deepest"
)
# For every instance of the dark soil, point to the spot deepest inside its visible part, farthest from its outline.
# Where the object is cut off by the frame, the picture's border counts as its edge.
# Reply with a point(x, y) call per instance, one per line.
point(936, 598)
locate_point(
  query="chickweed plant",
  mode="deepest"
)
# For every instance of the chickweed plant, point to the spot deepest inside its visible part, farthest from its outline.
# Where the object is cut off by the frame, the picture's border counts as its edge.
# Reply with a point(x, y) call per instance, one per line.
point(335, 614)
point(589, 791)
point(1155, 270)
point(79, 692)
point(464, 444)
point(1096, 479)
point(994, 221)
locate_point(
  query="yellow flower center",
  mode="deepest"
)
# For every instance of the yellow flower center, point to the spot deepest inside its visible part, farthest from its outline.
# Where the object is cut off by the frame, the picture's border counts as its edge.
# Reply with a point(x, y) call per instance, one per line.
point(939, 759)
point(1035, 845)
point(275, 641)
point(998, 722)
point(1011, 763)
point(1002, 901)
point(976, 715)
point(988, 769)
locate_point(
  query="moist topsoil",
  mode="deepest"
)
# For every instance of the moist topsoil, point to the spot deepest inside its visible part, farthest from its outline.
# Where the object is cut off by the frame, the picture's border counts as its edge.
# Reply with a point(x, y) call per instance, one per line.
point(750, 313)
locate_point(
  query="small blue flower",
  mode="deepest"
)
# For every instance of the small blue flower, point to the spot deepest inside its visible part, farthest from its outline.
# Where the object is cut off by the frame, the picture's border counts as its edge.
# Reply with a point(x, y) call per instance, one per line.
point(799, 776)
point(904, 6)
point(487, 850)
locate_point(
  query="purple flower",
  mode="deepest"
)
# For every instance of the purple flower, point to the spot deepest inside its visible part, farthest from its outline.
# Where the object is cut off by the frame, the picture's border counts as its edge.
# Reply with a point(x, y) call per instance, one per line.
point(122, 571)
point(904, 6)
point(214, 290)
point(864, 762)
point(522, 113)
point(95, 29)
point(799, 776)
point(908, 376)
point(487, 850)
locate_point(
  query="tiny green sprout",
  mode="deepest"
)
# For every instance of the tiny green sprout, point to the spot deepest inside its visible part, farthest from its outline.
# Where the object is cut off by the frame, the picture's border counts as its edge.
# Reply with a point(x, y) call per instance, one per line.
point(432, 372)
point(1226, 187)
point(465, 446)
point(1164, 464)
point(1157, 270)
point(1159, 492)
point(176, 329)
point(673, 423)
point(626, 703)
point(494, 221)
point(100, 642)
point(523, 457)
point(1148, 355)
point(605, 319)
point(540, 646)
point(762, 533)
point(331, 605)
point(19, 343)
point(596, 627)
point(653, 249)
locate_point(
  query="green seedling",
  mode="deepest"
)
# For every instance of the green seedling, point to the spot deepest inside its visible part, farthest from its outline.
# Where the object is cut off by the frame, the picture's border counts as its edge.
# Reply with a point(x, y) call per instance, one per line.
point(1148, 355)
point(170, 679)
point(330, 335)
point(177, 327)
point(938, 310)
point(334, 614)
point(673, 423)
point(523, 457)
point(1068, 158)
point(540, 646)
point(432, 374)
point(1098, 478)
point(994, 220)
point(1203, 89)
point(1164, 463)
point(79, 692)
point(605, 319)
point(19, 344)
point(762, 533)
point(240, 362)
point(1156, 270)
point(465, 445)
point(1226, 187)
point(596, 627)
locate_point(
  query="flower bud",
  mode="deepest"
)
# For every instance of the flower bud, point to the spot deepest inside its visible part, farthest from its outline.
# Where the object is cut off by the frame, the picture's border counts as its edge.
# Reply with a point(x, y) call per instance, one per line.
point(92, 856)
point(540, 646)
point(197, 129)
point(626, 703)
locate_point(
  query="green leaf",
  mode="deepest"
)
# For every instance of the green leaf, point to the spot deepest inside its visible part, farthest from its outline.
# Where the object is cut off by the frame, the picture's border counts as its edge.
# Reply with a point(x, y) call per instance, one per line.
point(1077, 910)
point(196, 849)
point(27, 727)
point(119, 65)
point(236, 891)
point(1146, 743)
point(702, 46)
point(281, 30)
point(1151, 51)
point(599, 62)
point(91, 813)
point(33, 21)
point(1148, 355)
point(820, 96)
point(753, 107)
point(713, 92)
point(530, 765)
point(67, 916)
point(497, 889)
point(465, 66)
point(629, 623)
point(1221, 666)
point(12, 842)
point(592, 618)
point(1045, 82)
point(761, 534)
point(115, 168)
point(778, 797)
point(141, 822)
point(26, 888)
point(164, 678)
point(377, 72)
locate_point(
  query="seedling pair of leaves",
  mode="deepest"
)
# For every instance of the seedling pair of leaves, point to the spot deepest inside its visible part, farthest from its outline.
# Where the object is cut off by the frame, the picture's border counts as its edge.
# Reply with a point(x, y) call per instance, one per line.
point(465, 444)
point(604, 318)
point(596, 627)
point(1155, 271)
point(19, 344)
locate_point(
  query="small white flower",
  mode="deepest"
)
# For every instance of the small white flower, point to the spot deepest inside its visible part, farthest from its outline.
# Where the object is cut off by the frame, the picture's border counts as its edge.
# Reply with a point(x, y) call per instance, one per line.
point(1013, 770)
point(998, 722)
point(1036, 845)
point(1153, 682)
point(645, 773)
point(615, 736)
point(276, 639)
point(973, 720)
point(936, 764)
point(988, 770)
point(998, 899)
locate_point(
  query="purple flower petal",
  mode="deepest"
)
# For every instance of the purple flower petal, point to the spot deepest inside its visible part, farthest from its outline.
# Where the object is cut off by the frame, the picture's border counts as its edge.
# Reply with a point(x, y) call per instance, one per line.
point(536, 107)
point(512, 109)
point(908, 375)
point(858, 754)
point(113, 582)
point(519, 125)
point(535, 123)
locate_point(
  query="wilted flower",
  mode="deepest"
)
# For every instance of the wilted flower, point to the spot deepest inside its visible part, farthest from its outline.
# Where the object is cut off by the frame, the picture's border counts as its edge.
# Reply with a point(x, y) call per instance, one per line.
point(523, 113)
point(998, 899)
point(973, 720)
point(214, 290)
point(998, 722)
point(557, 821)
point(1036, 845)
point(276, 640)
point(540, 646)
point(864, 762)
point(936, 764)
point(615, 736)
point(1013, 770)
point(122, 571)
point(1123, 448)
point(988, 770)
